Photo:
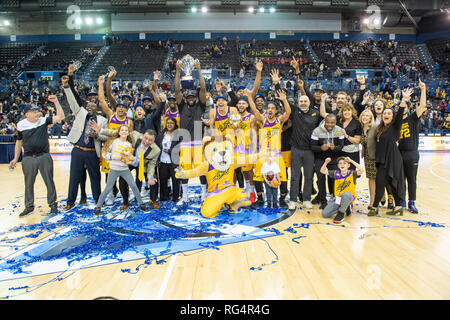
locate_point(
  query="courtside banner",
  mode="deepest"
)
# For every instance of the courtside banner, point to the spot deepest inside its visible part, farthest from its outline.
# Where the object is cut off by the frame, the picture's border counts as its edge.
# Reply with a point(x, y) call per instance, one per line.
point(60, 146)
point(435, 143)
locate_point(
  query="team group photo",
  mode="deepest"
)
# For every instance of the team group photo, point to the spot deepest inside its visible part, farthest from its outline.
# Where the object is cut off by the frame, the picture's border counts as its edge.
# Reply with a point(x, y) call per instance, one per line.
point(224, 150)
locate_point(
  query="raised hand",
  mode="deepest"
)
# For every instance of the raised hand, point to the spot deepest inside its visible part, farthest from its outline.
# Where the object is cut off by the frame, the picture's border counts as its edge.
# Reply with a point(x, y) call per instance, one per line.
point(275, 75)
point(406, 93)
point(294, 63)
point(259, 66)
point(112, 73)
point(280, 95)
point(197, 64)
point(101, 80)
point(422, 85)
point(52, 98)
point(72, 68)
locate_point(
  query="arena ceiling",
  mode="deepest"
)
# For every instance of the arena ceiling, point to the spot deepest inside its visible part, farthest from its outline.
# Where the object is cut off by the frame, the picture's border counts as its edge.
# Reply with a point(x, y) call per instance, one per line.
point(396, 12)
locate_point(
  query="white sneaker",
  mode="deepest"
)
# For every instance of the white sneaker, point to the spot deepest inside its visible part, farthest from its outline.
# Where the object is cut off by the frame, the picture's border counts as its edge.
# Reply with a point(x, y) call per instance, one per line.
point(110, 200)
point(182, 202)
point(307, 204)
point(292, 205)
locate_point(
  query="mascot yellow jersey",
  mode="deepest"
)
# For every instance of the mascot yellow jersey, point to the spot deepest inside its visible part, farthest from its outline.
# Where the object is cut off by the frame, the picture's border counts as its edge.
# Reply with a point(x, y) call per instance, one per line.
point(218, 167)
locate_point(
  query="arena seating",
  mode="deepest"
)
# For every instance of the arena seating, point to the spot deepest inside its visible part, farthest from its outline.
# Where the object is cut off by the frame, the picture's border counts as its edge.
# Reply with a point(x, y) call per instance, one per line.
point(57, 55)
point(440, 51)
point(11, 53)
point(362, 56)
point(131, 60)
point(197, 49)
point(274, 53)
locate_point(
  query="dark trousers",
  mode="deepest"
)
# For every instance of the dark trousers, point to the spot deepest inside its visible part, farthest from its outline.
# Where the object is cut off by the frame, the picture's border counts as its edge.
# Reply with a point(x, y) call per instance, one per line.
point(124, 190)
point(299, 159)
point(321, 179)
point(166, 172)
point(382, 179)
point(43, 164)
point(410, 166)
point(79, 159)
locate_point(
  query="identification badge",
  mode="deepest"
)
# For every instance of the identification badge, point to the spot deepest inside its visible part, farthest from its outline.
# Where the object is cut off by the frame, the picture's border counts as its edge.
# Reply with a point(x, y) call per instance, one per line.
point(337, 200)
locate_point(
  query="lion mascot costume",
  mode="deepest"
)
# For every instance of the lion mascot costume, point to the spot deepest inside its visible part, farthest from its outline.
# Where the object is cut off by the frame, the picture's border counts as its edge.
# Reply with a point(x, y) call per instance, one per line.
point(218, 167)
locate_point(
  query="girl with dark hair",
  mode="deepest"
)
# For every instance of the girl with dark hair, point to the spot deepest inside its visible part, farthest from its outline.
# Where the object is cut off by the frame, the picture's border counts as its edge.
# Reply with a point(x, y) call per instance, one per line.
point(388, 158)
point(166, 141)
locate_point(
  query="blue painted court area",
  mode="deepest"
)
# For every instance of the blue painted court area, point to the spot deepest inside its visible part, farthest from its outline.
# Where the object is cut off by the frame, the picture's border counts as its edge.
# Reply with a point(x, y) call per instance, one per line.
point(78, 239)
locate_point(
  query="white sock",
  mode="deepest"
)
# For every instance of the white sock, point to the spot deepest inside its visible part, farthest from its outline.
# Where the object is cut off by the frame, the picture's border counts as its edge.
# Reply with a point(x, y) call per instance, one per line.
point(204, 189)
point(252, 189)
point(185, 192)
point(247, 187)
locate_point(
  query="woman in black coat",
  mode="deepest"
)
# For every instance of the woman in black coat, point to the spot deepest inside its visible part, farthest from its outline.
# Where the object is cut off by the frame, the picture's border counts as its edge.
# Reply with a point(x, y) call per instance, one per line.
point(388, 157)
point(166, 141)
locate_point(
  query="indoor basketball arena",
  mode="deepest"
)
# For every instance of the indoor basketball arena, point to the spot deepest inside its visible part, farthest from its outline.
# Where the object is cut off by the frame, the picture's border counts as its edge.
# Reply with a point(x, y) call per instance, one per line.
point(201, 152)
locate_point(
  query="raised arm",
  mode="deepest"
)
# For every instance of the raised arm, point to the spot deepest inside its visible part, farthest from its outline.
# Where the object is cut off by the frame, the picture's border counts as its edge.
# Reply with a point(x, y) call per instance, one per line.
point(259, 67)
point(323, 99)
point(59, 110)
point(101, 98)
point(71, 70)
point(281, 95)
point(201, 83)
point(324, 169)
point(111, 99)
point(177, 83)
point(258, 115)
point(423, 99)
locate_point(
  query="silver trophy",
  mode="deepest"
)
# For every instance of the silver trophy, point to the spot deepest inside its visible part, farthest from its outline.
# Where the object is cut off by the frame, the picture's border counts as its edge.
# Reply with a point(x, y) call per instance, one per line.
point(110, 68)
point(187, 65)
point(235, 120)
point(77, 64)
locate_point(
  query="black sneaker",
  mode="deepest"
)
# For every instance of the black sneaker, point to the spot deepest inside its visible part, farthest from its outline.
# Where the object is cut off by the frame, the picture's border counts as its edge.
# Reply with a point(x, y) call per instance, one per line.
point(259, 202)
point(54, 209)
point(323, 204)
point(269, 205)
point(339, 218)
point(275, 205)
point(316, 200)
point(283, 203)
point(97, 211)
point(26, 212)
point(349, 210)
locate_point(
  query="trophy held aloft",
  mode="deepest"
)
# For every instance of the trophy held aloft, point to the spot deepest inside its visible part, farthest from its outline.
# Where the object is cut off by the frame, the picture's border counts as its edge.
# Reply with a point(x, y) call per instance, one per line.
point(187, 65)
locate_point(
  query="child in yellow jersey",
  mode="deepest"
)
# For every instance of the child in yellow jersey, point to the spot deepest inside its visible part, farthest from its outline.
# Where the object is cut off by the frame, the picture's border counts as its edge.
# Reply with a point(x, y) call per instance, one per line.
point(344, 188)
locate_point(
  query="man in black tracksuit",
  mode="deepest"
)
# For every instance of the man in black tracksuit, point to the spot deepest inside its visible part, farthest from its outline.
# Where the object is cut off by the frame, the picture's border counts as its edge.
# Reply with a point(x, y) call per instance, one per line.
point(304, 120)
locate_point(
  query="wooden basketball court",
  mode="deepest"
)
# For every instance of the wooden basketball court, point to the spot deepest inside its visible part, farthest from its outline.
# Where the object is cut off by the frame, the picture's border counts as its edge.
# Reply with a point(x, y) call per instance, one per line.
point(377, 258)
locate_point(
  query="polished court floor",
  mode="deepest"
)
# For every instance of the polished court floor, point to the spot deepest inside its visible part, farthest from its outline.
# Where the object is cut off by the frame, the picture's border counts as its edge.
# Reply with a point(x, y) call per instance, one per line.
point(379, 258)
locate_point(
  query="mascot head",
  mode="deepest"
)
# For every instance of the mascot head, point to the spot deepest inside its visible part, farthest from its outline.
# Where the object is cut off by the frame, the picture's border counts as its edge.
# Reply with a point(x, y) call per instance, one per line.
point(218, 151)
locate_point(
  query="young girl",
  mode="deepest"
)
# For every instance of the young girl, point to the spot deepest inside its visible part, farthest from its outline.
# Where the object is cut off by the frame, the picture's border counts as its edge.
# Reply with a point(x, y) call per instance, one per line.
point(270, 170)
point(344, 188)
point(118, 168)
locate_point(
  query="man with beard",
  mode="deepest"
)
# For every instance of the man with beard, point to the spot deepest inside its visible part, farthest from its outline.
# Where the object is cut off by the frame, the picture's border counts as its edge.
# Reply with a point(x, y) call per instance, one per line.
point(86, 142)
point(270, 140)
point(304, 120)
point(245, 144)
point(191, 109)
point(314, 97)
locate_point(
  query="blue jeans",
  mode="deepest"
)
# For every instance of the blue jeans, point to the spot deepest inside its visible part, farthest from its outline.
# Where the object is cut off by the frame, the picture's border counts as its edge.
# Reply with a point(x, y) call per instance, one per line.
point(271, 193)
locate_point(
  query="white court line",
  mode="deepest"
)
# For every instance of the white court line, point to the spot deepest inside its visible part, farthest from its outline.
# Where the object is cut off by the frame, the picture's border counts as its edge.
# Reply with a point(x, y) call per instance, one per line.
point(430, 168)
point(162, 289)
